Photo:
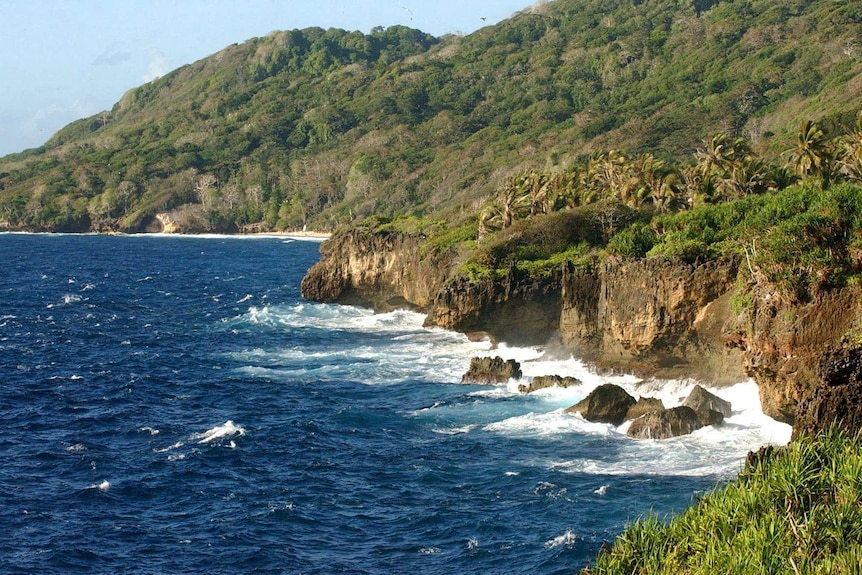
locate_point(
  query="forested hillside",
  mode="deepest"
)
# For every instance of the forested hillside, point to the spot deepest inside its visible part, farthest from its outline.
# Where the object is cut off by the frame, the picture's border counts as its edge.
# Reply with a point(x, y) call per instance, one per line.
point(325, 127)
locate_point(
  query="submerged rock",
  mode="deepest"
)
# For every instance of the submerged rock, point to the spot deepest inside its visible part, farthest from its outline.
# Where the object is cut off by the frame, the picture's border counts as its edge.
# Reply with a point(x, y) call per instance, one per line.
point(701, 400)
point(546, 381)
point(491, 370)
point(607, 403)
point(643, 406)
point(665, 424)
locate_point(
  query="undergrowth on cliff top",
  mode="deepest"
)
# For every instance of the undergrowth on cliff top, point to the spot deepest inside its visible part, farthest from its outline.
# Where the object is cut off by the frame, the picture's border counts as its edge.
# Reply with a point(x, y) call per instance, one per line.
point(538, 247)
point(800, 238)
point(794, 510)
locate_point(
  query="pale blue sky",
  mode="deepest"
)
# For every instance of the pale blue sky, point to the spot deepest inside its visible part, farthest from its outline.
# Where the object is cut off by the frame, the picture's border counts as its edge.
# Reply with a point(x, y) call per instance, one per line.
point(61, 60)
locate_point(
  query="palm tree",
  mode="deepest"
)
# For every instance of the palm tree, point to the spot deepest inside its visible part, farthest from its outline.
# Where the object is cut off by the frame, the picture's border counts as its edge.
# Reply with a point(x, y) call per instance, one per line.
point(714, 156)
point(812, 156)
point(850, 155)
point(509, 204)
point(748, 175)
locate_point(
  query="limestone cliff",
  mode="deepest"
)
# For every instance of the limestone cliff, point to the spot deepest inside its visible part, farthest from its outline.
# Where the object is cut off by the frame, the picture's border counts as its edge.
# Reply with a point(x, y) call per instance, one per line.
point(651, 317)
point(787, 343)
point(383, 270)
point(654, 317)
point(515, 309)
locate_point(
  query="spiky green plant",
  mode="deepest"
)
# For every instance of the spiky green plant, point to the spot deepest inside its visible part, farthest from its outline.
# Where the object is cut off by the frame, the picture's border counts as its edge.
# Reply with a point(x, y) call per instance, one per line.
point(795, 510)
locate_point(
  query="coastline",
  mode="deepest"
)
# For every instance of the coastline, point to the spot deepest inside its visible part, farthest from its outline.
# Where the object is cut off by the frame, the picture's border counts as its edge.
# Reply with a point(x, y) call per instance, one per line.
point(298, 236)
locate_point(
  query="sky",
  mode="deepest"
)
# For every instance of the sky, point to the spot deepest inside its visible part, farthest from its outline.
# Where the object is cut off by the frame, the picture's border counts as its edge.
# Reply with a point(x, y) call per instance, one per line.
point(61, 60)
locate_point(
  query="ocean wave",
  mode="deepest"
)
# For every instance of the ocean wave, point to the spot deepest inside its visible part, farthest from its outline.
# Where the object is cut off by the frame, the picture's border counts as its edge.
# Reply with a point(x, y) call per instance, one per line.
point(227, 429)
point(567, 539)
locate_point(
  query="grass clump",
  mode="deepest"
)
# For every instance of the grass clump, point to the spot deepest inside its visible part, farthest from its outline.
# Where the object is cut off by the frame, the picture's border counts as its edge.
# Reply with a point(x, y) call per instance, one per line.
point(795, 510)
point(580, 255)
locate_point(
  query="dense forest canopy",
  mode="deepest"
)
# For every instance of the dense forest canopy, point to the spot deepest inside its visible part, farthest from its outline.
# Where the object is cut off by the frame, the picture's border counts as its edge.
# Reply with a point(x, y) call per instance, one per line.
point(322, 128)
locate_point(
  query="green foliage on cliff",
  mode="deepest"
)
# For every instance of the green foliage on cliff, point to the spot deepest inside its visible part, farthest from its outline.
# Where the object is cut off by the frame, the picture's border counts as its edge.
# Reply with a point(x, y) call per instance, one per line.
point(538, 247)
point(795, 510)
point(325, 127)
point(802, 238)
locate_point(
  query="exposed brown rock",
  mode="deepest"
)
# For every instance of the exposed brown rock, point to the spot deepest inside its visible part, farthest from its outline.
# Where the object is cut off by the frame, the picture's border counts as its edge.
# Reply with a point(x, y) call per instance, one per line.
point(491, 370)
point(786, 343)
point(654, 317)
point(643, 406)
point(515, 309)
point(546, 381)
point(665, 424)
point(838, 398)
point(607, 403)
point(701, 400)
point(710, 417)
point(382, 270)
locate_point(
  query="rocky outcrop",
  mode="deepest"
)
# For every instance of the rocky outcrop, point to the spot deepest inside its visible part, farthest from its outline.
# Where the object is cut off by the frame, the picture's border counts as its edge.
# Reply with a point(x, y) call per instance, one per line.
point(383, 270)
point(665, 424)
point(787, 345)
point(607, 403)
point(515, 309)
point(700, 409)
point(491, 370)
point(701, 400)
point(649, 419)
point(655, 317)
point(547, 381)
point(643, 406)
point(837, 399)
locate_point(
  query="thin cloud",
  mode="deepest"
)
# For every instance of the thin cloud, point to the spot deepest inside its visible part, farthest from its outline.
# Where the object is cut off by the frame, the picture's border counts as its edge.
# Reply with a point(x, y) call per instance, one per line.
point(112, 56)
point(47, 120)
point(159, 65)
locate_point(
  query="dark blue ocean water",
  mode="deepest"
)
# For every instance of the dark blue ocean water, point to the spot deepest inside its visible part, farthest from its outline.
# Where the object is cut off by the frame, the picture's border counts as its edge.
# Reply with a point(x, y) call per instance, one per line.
point(171, 405)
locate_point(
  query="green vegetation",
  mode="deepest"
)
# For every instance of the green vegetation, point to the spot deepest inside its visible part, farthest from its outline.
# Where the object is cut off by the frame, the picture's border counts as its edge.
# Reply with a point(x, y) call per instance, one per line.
point(323, 128)
point(792, 510)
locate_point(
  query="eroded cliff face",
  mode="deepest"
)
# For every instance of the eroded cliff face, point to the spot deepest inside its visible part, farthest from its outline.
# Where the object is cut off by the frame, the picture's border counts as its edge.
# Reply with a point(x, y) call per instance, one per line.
point(515, 309)
point(381, 270)
point(655, 318)
point(786, 345)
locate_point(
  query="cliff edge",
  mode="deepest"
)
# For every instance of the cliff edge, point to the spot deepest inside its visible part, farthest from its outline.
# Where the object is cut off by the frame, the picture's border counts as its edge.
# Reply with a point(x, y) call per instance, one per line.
point(655, 317)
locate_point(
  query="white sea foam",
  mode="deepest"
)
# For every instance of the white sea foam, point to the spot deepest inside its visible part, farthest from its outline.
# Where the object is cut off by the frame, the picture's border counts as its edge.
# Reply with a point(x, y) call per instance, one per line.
point(568, 539)
point(176, 445)
point(227, 429)
point(402, 349)
point(458, 430)
point(707, 452)
point(103, 486)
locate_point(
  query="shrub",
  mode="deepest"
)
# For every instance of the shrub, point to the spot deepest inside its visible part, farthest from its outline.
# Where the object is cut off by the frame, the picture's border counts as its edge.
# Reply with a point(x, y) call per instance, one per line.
point(792, 510)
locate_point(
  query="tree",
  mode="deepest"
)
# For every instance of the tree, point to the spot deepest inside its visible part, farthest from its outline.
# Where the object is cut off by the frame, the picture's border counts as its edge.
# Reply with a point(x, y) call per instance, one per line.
point(812, 155)
point(509, 204)
point(850, 155)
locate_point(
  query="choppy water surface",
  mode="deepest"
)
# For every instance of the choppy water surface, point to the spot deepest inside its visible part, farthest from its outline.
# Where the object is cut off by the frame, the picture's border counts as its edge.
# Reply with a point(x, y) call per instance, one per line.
point(171, 405)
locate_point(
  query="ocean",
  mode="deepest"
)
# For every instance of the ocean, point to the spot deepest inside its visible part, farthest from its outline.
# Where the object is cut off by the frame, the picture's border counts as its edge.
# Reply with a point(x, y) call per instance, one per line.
point(172, 405)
